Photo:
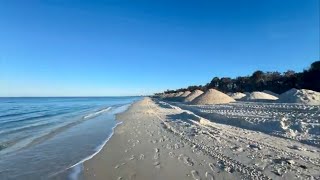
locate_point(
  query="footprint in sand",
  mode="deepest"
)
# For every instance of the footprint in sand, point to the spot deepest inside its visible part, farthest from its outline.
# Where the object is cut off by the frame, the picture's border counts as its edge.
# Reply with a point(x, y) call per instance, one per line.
point(171, 154)
point(195, 175)
point(209, 176)
point(132, 157)
point(157, 164)
point(168, 146)
point(141, 157)
point(211, 166)
point(186, 160)
point(118, 165)
point(176, 146)
point(156, 153)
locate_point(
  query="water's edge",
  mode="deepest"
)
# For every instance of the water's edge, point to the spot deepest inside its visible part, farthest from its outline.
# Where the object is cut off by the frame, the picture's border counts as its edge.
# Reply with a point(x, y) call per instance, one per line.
point(77, 169)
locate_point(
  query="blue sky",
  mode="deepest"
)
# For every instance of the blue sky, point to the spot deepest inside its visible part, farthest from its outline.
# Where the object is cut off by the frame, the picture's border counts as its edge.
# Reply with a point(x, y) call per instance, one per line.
point(115, 47)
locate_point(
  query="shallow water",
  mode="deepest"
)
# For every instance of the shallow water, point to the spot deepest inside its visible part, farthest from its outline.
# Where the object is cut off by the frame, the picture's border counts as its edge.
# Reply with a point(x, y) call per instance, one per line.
point(41, 138)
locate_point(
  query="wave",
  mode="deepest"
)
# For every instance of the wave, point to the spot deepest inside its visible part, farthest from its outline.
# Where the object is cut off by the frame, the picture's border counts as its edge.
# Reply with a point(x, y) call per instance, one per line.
point(49, 134)
point(49, 115)
point(18, 114)
point(65, 127)
point(91, 115)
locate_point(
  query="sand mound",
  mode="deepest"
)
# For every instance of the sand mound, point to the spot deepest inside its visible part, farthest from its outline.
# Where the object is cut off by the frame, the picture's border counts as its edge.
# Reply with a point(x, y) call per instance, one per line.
point(185, 94)
point(303, 96)
point(237, 95)
point(193, 95)
point(271, 93)
point(169, 95)
point(178, 94)
point(259, 96)
point(212, 96)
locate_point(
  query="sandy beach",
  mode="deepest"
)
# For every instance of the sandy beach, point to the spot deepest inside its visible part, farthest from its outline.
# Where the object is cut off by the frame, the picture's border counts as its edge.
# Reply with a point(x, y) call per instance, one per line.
point(158, 140)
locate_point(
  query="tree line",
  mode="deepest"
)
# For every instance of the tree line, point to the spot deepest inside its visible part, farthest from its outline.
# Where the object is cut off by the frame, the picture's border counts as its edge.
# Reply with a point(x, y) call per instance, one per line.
point(273, 81)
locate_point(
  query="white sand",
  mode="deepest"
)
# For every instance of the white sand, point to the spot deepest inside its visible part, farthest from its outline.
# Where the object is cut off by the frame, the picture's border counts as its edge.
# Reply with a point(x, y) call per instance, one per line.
point(303, 96)
point(178, 94)
point(193, 95)
point(212, 96)
point(159, 141)
point(185, 94)
point(271, 93)
point(169, 95)
point(259, 96)
point(237, 95)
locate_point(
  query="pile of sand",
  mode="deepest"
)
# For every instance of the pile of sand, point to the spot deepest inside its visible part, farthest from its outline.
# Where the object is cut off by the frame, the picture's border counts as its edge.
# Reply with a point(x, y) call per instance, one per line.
point(303, 96)
point(259, 96)
point(237, 95)
point(185, 94)
point(212, 96)
point(170, 95)
point(162, 96)
point(271, 93)
point(178, 94)
point(193, 95)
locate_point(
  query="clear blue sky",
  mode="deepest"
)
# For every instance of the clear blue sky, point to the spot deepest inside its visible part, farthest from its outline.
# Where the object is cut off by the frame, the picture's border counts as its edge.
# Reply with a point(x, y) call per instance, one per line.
point(115, 47)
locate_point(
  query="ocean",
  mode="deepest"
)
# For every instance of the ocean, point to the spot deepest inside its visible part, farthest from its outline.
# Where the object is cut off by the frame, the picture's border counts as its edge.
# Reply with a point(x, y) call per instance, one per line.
point(50, 137)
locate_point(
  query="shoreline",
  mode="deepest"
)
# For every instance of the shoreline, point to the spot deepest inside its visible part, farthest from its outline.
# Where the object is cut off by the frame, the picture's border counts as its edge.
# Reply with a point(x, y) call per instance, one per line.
point(75, 172)
point(157, 140)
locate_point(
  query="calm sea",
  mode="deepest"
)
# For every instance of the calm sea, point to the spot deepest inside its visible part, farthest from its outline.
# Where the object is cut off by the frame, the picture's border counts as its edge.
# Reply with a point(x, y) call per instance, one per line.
point(49, 138)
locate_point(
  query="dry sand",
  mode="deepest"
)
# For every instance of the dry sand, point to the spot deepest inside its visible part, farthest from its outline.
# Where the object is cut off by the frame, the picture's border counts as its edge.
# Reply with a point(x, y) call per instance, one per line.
point(259, 96)
point(237, 95)
point(193, 95)
point(302, 96)
point(178, 94)
point(185, 94)
point(271, 93)
point(158, 140)
point(212, 96)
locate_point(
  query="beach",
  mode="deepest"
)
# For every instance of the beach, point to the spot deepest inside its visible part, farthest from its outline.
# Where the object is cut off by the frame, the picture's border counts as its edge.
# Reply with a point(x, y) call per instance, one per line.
point(159, 140)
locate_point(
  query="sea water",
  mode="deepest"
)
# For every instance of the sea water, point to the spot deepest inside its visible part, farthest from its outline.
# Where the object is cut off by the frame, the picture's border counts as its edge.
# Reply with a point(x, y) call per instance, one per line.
point(50, 138)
